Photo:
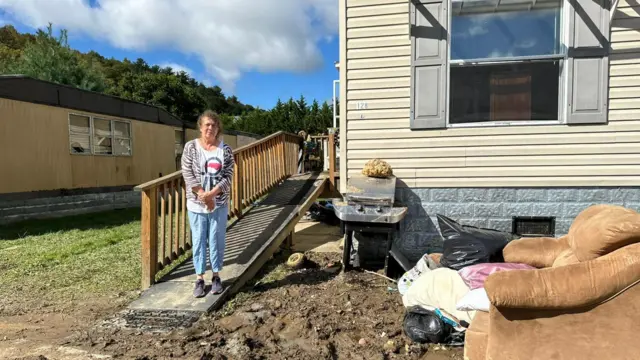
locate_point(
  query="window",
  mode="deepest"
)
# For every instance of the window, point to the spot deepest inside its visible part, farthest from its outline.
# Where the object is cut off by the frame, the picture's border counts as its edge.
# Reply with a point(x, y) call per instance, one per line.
point(121, 138)
point(80, 134)
point(506, 61)
point(178, 142)
point(102, 137)
point(92, 135)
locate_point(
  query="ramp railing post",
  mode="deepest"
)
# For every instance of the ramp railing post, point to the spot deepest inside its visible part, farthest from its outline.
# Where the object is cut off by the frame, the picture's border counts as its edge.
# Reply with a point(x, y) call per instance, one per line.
point(149, 234)
point(238, 188)
point(283, 144)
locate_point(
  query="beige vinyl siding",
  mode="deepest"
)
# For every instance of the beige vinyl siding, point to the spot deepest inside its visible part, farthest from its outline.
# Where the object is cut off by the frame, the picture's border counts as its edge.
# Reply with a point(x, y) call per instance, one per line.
point(377, 65)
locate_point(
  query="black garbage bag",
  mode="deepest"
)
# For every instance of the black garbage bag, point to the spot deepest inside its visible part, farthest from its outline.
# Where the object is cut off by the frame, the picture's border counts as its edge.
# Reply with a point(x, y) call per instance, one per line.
point(323, 212)
point(424, 326)
point(466, 245)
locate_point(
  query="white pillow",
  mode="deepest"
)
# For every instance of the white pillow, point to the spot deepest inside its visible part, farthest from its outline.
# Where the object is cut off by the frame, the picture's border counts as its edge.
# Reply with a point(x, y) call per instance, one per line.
point(475, 299)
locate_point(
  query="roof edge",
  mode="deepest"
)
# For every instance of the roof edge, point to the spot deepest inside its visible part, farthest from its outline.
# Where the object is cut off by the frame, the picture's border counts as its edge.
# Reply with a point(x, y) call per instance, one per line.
point(193, 126)
point(157, 108)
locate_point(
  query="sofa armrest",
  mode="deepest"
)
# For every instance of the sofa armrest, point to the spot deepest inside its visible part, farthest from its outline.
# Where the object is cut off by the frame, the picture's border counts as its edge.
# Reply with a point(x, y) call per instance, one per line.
point(538, 252)
point(588, 333)
point(582, 284)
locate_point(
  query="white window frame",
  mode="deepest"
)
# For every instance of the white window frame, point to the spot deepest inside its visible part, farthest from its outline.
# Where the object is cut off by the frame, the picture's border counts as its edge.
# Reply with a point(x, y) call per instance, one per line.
point(93, 119)
point(114, 137)
point(562, 81)
point(182, 141)
point(91, 135)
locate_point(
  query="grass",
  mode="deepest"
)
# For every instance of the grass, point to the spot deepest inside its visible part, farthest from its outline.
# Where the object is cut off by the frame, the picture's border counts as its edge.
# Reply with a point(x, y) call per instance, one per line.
point(71, 258)
point(81, 257)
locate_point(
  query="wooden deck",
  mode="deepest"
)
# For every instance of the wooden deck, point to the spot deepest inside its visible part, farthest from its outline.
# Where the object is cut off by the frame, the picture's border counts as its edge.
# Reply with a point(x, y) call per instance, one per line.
point(251, 241)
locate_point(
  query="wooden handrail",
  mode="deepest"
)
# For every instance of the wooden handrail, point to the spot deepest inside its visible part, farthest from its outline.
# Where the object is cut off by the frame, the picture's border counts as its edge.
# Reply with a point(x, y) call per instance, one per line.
point(175, 175)
point(259, 167)
point(158, 181)
point(264, 140)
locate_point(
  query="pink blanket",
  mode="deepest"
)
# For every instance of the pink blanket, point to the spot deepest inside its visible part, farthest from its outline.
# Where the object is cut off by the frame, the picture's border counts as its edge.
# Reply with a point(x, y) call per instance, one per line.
point(475, 275)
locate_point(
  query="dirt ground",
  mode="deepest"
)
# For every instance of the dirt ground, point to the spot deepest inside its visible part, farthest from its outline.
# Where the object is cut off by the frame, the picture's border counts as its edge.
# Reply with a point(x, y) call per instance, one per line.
point(316, 312)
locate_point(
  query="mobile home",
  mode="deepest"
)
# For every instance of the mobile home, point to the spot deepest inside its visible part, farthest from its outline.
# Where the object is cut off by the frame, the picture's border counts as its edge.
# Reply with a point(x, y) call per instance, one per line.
point(65, 150)
point(489, 111)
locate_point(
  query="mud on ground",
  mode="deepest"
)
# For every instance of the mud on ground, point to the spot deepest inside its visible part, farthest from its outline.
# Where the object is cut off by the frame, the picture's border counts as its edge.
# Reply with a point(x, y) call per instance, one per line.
point(316, 312)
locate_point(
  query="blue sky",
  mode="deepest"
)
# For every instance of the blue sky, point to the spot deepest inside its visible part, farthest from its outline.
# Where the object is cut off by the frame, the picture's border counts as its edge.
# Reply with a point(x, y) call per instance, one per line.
point(257, 55)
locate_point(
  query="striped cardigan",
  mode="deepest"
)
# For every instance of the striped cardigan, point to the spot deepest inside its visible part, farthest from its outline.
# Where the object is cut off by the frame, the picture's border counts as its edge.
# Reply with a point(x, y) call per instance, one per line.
point(191, 172)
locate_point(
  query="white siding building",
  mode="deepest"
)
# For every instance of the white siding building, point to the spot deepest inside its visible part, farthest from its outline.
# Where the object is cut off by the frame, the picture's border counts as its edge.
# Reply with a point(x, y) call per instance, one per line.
point(490, 109)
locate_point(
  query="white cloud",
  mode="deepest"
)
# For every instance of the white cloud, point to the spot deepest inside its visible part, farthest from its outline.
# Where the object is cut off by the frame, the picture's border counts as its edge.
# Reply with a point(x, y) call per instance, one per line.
point(500, 54)
point(228, 36)
point(477, 30)
point(177, 68)
point(525, 44)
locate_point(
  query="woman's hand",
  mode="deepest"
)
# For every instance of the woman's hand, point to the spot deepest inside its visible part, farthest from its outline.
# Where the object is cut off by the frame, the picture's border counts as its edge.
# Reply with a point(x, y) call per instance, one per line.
point(210, 204)
point(204, 196)
point(207, 197)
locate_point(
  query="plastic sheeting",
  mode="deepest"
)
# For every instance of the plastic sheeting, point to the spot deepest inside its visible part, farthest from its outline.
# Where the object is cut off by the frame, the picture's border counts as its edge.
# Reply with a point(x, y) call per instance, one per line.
point(466, 245)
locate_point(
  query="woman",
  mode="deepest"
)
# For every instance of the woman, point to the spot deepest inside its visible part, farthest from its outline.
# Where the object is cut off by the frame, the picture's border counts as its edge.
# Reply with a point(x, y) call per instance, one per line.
point(207, 168)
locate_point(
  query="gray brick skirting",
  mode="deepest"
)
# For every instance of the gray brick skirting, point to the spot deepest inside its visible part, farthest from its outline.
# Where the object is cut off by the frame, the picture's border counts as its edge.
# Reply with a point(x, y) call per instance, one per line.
point(494, 208)
point(49, 207)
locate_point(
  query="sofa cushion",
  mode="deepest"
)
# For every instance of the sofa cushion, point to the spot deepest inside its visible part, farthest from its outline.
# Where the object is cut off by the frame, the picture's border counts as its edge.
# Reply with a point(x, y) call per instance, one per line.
point(566, 257)
point(587, 213)
point(602, 230)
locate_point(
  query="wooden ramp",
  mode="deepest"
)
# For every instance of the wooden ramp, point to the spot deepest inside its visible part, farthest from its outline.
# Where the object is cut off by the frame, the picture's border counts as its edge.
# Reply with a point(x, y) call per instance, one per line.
point(251, 241)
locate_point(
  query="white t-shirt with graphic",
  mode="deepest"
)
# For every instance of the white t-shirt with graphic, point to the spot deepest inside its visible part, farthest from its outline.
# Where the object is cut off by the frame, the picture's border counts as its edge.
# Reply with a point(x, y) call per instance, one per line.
point(211, 163)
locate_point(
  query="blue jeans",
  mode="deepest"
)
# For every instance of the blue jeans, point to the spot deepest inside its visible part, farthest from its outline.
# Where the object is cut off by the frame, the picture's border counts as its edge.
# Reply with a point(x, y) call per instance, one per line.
point(208, 228)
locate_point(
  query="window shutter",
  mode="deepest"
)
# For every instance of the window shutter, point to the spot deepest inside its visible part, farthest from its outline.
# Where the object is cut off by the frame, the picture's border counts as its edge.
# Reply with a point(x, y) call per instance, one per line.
point(428, 63)
point(588, 62)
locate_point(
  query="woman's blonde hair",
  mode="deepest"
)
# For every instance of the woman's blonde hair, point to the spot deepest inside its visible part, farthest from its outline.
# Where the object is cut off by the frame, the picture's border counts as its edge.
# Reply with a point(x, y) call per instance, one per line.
point(213, 116)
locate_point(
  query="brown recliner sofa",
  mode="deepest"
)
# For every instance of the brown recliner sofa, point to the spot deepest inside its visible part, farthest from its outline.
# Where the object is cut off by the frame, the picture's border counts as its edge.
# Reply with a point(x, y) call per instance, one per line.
point(583, 301)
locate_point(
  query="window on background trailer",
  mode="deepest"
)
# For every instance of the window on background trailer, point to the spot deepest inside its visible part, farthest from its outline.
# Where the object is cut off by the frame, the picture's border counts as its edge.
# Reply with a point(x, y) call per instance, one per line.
point(179, 145)
point(79, 134)
point(506, 59)
point(121, 138)
point(102, 137)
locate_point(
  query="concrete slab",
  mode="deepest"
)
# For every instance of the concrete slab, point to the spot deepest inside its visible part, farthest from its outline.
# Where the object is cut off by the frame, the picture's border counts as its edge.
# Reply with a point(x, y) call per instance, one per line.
point(316, 237)
point(172, 296)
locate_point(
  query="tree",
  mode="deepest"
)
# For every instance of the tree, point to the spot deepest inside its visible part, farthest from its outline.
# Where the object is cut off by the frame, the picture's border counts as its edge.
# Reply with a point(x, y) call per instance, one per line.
point(46, 57)
point(51, 59)
point(326, 116)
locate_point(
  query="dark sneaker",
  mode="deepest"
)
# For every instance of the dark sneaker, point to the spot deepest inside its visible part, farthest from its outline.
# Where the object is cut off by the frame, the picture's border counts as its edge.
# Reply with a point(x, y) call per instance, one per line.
point(199, 290)
point(216, 285)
